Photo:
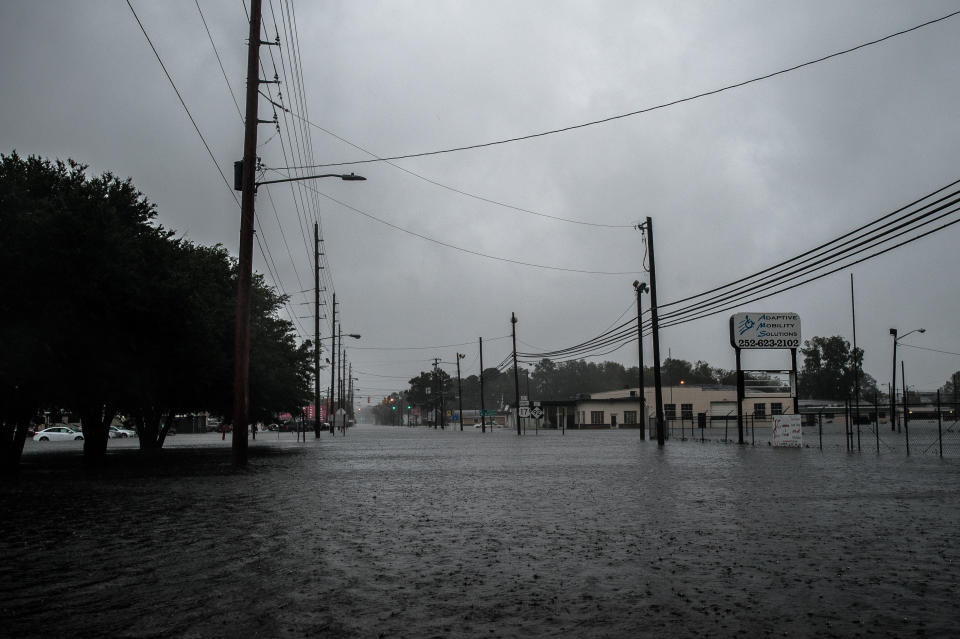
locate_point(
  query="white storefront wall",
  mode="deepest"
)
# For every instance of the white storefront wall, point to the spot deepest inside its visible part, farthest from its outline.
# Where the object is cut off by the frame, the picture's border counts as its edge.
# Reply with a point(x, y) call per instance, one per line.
point(714, 401)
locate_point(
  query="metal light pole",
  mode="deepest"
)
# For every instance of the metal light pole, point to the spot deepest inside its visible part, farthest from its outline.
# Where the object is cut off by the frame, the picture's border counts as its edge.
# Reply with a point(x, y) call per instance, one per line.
point(483, 405)
point(516, 375)
point(460, 390)
point(893, 389)
point(641, 287)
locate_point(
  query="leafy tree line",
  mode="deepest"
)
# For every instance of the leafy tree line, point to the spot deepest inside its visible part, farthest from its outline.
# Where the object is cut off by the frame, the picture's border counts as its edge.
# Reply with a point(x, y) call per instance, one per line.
point(545, 380)
point(105, 312)
point(827, 373)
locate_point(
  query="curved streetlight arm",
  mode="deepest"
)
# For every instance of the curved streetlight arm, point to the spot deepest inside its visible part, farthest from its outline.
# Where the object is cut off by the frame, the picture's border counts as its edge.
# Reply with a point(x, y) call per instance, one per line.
point(348, 177)
point(918, 330)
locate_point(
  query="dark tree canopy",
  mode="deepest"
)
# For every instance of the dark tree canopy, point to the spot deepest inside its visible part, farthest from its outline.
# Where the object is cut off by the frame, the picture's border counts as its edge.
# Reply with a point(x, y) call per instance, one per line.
point(104, 312)
point(829, 367)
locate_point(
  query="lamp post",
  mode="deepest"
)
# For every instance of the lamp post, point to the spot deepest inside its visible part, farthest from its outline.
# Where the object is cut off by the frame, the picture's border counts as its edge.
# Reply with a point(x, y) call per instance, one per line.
point(641, 287)
point(893, 388)
point(247, 184)
point(331, 400)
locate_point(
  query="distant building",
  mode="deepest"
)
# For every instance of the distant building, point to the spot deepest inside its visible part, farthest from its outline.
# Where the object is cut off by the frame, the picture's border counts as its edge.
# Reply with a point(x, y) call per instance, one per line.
point(681, 403)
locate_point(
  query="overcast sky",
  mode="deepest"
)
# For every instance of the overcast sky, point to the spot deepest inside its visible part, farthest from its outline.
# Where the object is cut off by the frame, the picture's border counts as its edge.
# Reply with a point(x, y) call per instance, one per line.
point(734, 182)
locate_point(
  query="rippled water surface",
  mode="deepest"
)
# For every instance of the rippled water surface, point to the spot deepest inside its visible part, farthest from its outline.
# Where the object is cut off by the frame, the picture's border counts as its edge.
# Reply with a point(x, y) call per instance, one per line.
point(423, 533)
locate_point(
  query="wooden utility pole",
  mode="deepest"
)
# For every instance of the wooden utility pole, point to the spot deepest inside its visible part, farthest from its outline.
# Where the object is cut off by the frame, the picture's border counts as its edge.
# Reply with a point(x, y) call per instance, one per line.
point(241, 379)
point(516, 376)
point(316, 330)
point(655, 326)
point(333, 366)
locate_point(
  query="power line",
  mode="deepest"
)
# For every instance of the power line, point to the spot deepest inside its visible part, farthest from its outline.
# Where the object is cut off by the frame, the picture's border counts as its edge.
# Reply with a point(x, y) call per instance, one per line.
point(932, 350)
point(423, 348)
point(203, 139)
point(453, 189)
point(219, 61)
point(466, 250)
point(850, 245)
point(183, 103)
point(648, 109)
point(817, 248)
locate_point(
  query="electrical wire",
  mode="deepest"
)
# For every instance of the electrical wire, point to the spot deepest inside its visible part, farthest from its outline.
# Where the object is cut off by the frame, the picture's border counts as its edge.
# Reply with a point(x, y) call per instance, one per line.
point(454, 189)
point(203, 140)
point(219, 61)
point(932, 350)
point(466, 250)
point(651, 108)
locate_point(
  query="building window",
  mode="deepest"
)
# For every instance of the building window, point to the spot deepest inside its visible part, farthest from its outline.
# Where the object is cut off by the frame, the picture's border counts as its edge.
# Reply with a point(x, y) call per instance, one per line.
point(629, 417)
point(759, 410)
point(776, 408)
point(686, 411)
point(596, 417)
point(670, 411)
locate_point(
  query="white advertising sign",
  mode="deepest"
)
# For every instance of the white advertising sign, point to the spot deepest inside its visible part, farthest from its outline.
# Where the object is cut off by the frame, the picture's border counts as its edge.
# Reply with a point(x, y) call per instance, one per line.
point(765, 330)
point(787, 430)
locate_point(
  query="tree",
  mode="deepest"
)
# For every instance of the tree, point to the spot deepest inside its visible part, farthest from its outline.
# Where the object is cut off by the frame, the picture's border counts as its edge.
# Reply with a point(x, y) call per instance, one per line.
point(829, 366)
point(950, 391)
point(105, 311)
point(74, 248)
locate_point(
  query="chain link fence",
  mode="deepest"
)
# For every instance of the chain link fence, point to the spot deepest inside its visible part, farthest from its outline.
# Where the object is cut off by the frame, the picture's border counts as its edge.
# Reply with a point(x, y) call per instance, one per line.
point(925, 426)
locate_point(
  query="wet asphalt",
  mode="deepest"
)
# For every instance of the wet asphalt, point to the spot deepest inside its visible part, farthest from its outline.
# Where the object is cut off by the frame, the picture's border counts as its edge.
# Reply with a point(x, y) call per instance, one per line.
point(398, 532)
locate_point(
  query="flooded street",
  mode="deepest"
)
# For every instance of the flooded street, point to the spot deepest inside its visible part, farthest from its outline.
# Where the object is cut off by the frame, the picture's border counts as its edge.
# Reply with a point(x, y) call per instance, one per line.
point(395, 532)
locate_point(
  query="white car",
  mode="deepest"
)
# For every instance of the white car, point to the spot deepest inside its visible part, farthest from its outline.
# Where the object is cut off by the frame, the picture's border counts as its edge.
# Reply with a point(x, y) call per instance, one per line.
point(57, 433)
point(117, 432)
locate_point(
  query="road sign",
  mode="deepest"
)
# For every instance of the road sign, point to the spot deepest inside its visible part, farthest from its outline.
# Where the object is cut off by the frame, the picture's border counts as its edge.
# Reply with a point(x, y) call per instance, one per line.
point(537, 412)
point(536, 403)
point(765, 330)
point(524, 403)
point(488, 413)
point(524, 411)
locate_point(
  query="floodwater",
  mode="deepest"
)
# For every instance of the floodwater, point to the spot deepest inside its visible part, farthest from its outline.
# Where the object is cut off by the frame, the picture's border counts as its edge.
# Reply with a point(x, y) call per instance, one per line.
point(397, 532)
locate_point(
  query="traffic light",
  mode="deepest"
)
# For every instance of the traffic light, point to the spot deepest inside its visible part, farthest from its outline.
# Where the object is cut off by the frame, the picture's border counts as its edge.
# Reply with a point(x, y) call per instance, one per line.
point(393, 408)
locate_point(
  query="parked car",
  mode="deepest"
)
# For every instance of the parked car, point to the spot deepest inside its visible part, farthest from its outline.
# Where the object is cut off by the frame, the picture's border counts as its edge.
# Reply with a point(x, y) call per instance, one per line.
point(117, 432)
point(57, 433)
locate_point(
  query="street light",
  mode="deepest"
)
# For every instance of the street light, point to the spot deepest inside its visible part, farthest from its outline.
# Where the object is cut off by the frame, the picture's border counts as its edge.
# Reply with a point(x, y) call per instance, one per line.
point(893, 387)
point(641, 287)
point(244, 170)
point(346, 177)
point(333, 373)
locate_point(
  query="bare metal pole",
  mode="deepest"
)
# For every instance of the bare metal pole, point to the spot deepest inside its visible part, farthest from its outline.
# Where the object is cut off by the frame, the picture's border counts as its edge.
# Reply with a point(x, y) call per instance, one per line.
point(516, 376)
point(856, 364)
point(460, 390)
point(483, 405)
point(241, 379)
point(640, 288)
point(893, 385)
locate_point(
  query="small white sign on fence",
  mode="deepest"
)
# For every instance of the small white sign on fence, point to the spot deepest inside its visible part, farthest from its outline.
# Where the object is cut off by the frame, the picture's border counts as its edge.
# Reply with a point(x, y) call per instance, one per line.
point(787, 430)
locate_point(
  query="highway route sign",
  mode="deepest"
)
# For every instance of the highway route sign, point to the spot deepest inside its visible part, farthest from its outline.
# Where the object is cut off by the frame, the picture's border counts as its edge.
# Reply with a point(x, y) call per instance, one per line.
point(537, 412)
point(524, 411)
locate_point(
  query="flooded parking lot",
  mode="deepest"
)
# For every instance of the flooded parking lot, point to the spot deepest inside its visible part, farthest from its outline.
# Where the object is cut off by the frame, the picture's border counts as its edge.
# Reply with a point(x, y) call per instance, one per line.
point(395, 532)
